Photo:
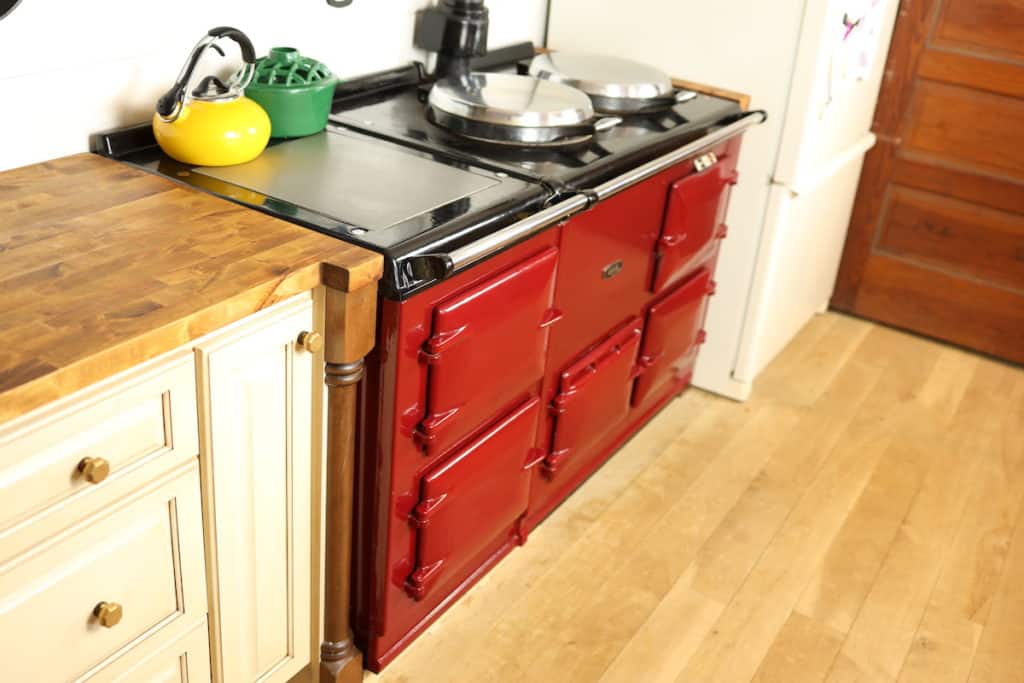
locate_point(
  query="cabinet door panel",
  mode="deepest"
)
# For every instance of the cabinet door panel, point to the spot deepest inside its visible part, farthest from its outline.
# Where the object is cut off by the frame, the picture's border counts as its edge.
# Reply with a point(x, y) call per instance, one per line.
point(592, 400)
point(696, 209)
point(257, 452)
point(473, 498)
point(672, 335)
point(486, 350)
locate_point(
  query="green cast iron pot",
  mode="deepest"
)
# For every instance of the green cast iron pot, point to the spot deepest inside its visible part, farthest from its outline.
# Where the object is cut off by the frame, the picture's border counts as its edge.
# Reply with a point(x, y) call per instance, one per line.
point(296, 92)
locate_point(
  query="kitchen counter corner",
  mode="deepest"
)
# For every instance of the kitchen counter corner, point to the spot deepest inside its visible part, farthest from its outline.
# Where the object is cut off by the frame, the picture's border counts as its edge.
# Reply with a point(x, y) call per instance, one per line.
point(103, 266)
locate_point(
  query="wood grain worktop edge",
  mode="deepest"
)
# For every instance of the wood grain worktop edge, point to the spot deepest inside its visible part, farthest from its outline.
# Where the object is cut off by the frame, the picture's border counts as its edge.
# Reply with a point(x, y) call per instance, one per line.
point(104, 266)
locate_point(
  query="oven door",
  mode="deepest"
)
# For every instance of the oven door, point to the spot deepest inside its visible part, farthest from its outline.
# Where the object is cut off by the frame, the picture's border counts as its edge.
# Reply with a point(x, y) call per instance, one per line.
point(693, 220)
point(672, 335)
point(593, 400)
point(472, 500)
point(486, 351)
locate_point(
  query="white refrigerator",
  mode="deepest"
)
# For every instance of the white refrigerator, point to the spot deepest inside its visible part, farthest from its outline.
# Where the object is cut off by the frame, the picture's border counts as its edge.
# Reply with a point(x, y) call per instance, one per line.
point(816, 66)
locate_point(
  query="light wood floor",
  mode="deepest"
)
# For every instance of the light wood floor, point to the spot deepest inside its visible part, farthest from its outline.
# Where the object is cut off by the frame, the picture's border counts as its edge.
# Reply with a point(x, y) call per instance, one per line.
point(858, 520)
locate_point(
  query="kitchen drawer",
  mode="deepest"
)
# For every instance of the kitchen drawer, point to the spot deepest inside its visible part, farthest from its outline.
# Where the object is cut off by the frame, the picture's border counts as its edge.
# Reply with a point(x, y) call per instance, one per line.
point(671, 335)
point(486, 351)
point(185, 659)
point(144, 554)
point(693, 220)
point(97, 441)
point(473, 499)
point(593, 399)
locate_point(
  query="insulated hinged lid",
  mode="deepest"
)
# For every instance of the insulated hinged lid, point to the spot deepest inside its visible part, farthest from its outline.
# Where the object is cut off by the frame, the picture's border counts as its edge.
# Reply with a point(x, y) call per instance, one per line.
point(603, 76)
point(511, 100)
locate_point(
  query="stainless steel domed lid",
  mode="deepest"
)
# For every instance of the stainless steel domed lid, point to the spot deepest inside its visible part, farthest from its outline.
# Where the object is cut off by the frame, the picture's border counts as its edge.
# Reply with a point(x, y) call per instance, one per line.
point(513, 109)
point(511, 100)
point(615, 85)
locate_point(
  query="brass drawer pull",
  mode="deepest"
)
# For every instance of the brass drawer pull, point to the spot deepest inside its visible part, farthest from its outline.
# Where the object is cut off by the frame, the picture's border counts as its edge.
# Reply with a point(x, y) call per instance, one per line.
point(108, 614)
point(94, 470)
point(310, 341)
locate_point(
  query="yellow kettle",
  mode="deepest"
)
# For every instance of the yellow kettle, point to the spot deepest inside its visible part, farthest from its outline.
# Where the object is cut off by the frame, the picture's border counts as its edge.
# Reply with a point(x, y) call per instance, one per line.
point(214, 124)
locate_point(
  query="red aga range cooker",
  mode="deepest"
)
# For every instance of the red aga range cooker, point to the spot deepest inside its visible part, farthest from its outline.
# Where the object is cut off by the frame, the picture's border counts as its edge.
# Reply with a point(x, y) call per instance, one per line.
point(494, 394)
point(550, 243)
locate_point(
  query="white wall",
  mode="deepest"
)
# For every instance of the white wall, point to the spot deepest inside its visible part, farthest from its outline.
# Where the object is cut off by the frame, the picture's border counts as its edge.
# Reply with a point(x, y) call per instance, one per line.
point(743, 45)
point(70, 68)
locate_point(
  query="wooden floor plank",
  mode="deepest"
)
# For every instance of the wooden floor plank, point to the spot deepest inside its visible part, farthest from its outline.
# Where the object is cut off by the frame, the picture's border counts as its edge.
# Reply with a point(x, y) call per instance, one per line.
point(882, 633)
point(664, 643)
point(958, 609)
point(804, 650)
point(851, 522)
point(839, 585)
point(1000, 657)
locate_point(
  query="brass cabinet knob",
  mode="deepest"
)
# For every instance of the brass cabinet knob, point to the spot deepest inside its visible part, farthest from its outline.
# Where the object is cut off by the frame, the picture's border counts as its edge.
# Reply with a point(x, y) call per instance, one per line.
point(94, 470)
point(311, 341)
point(108, 614)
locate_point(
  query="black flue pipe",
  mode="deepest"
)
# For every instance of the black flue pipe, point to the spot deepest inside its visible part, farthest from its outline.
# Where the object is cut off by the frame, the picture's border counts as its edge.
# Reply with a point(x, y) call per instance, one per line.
point(457, 31)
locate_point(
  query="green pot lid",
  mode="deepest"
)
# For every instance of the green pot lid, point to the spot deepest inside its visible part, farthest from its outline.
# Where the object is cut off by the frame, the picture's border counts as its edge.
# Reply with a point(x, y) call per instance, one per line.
point(284, 67)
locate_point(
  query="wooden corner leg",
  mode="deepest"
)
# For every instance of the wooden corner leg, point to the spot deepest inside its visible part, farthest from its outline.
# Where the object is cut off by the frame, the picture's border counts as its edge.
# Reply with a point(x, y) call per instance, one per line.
point(340, 660)
point(350, 332)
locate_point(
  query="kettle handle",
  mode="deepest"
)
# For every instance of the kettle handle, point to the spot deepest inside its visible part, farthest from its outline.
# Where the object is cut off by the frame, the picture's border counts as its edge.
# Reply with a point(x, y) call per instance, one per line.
point(170, 103)
point(248, 51)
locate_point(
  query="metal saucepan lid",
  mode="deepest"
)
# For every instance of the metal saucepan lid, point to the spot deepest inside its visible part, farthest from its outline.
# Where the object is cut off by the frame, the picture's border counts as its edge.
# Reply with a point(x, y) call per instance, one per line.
point(511, 100)
point(602, 76)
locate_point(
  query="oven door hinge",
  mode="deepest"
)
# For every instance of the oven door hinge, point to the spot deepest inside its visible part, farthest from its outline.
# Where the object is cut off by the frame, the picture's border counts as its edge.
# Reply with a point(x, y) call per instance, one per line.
point(435, 346)
point(418, 585)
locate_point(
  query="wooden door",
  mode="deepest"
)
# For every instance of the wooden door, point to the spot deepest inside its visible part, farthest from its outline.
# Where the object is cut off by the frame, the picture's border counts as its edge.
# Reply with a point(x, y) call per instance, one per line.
point(936, 242)
point(258, 450)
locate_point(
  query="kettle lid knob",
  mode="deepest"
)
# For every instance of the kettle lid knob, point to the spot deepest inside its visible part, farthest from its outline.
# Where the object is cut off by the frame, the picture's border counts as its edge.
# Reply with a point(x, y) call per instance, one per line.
point(210, 87)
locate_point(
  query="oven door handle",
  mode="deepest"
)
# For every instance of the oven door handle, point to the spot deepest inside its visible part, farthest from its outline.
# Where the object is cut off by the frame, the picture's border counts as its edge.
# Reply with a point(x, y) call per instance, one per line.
point(429, 266)
point(439, 266)
point(656, 166)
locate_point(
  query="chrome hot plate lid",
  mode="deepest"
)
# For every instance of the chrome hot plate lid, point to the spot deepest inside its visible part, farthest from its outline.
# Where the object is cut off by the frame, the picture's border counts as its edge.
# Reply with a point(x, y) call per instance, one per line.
point(615, 85)
point(512, 109)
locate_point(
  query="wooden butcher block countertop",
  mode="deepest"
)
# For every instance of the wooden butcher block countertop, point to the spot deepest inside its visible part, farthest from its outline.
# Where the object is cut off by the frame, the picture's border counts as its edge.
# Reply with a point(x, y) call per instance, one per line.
point(103, 266)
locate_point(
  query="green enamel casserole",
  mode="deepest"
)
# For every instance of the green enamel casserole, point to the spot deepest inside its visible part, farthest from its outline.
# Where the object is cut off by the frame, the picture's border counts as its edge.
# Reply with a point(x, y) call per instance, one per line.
point(295, 91)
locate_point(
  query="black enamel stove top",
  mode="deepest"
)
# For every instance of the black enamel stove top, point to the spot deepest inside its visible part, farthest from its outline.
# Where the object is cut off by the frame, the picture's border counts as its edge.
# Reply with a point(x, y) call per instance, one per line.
point(384, 177)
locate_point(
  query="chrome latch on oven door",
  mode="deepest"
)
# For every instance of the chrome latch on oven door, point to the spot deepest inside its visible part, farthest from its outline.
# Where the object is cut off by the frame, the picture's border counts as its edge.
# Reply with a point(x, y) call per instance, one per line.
point(704, 162)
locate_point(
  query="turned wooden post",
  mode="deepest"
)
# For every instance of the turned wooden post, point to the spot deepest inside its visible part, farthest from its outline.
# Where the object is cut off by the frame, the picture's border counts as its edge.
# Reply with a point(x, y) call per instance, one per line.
point(350, 322)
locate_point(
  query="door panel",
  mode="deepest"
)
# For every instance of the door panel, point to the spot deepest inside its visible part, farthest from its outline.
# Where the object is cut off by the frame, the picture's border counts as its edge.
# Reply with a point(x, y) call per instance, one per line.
point(257, 452)
point(696, 209)
point(593, 399)
point(967, 239)
point(960, 125)
point(982, 24)
point(487, 349)
point(936, 241)
point(671, 334)
point(472, 499)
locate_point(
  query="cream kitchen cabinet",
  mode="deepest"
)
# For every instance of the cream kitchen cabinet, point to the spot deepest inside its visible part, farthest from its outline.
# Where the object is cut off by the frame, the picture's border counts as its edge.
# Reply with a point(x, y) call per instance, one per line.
point(260, 440)
point(168, 522)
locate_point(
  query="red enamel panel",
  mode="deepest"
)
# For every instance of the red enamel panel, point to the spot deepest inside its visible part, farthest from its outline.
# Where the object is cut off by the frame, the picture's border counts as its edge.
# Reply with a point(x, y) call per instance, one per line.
point(487, 346)
point(604, 268)
point(695, 216)
point(593, 399)
point(472, 498)
point(672, 332)
point(391, 464)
